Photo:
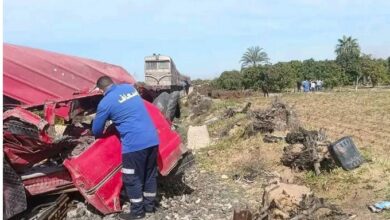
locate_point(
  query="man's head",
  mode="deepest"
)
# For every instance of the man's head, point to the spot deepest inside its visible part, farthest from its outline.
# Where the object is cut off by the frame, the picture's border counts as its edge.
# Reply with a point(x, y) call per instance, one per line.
point(104, 82)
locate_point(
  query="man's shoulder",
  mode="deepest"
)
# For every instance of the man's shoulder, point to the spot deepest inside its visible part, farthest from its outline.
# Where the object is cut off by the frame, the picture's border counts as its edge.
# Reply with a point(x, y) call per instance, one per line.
point(125, 86)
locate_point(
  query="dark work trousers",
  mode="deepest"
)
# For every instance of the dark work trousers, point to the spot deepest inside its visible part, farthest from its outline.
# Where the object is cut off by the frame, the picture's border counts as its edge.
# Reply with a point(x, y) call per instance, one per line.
point(139, 177)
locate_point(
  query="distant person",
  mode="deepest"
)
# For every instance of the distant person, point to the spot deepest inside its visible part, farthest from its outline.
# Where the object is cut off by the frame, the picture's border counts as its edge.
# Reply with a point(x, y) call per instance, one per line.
point(312, 86)
point(265, 89)
point(299, 85)
point(187, 86)
point(306, 86)
point(319, 84)
point(264, 85)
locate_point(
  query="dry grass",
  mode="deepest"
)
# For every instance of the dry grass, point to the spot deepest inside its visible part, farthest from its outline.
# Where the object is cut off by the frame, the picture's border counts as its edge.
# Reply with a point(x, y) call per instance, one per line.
point(364, 115)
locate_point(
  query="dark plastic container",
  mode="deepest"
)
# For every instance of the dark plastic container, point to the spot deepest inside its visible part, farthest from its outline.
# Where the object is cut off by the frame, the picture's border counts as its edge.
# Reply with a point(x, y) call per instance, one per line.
point(346, 154)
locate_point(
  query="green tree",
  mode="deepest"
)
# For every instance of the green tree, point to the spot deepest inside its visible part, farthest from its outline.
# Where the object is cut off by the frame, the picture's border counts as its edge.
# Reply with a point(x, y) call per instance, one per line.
point(296, 69)
point(331, 73)
point(374, 70)
point(310, 69)
point(230, 80)
point(282, 76)
point(253, 57)
point(348, 57)
point(255, 77)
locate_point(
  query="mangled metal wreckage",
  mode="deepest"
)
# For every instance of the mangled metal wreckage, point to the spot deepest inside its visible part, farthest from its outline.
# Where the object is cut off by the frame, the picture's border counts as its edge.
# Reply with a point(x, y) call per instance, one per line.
point(48, 146)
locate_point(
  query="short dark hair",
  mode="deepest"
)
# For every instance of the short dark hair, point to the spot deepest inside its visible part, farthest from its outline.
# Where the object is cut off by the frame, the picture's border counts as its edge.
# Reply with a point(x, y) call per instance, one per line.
point(103, 82)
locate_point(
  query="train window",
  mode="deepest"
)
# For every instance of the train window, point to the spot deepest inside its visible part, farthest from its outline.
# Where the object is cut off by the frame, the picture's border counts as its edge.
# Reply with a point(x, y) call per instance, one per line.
point(163, 65)
point(157, 65)
point(151, 65)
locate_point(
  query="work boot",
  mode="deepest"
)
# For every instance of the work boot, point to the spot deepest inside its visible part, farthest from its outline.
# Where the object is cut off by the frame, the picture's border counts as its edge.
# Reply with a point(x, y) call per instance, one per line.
point(130, 216)
point(150, 209)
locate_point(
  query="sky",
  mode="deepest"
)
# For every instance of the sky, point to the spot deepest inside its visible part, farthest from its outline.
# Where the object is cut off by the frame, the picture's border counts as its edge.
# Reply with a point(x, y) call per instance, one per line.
point(204, 37)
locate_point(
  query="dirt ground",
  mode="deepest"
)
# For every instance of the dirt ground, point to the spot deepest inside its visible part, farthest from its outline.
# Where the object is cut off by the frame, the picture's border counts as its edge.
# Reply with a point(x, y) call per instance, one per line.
point(364, 115)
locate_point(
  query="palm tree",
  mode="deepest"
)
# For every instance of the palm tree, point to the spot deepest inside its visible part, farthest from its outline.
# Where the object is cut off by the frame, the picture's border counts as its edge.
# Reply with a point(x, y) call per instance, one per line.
point(348, 46)
point(254, 56)
point(348, 57)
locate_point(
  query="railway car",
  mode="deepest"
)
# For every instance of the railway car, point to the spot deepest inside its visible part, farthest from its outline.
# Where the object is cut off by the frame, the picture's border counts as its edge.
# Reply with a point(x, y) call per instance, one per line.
point(161, 74)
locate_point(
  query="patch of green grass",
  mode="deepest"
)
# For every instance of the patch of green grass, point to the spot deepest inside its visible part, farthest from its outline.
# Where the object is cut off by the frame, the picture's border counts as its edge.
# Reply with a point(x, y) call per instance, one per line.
point(224, 103)
point(367, 154)
point(337, 179)
point(317, 182)
point(207, 157)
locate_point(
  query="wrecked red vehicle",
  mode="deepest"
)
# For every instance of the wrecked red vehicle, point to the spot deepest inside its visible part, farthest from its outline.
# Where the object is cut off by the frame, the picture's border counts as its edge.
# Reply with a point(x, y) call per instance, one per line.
point(48, 146)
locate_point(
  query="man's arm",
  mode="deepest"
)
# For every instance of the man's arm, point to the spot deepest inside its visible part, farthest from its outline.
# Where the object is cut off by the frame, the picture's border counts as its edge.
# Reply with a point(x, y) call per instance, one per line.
point(102, 115)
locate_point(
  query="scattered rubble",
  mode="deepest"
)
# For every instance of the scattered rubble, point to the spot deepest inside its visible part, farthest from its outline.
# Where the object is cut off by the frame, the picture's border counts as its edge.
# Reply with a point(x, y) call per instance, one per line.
point(278, 117)
point(230, 128)
point(82, 211)
point(308, 150)
point(230, 112)
point(291, 201)
point(199, 104)
point(193, 195)
point(250, 167)
point(272, 139)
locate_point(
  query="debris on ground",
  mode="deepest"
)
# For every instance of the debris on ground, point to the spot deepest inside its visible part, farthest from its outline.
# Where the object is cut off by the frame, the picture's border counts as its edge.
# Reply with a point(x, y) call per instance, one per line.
point(233, 119)
point(272, 138)
point(208, 199)
point(291, 201)
point(82, 211)
point(250, 167)
point(346, 153)
point(230, 112)
point(242, 214)
point(278, 117)
point(199, 104)
point(197, 137)
point(308, 150)
point(230, 127)
point(191, 195)
point(380, 206)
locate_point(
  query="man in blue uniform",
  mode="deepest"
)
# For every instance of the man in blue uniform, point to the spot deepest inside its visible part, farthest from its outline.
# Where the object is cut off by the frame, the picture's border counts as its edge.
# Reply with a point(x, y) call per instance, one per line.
point(306, 85)
point(125, 108)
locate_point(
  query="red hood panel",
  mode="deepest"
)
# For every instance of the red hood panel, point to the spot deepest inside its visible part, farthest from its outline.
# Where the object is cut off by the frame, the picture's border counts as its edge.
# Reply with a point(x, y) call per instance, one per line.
point(33, 76)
